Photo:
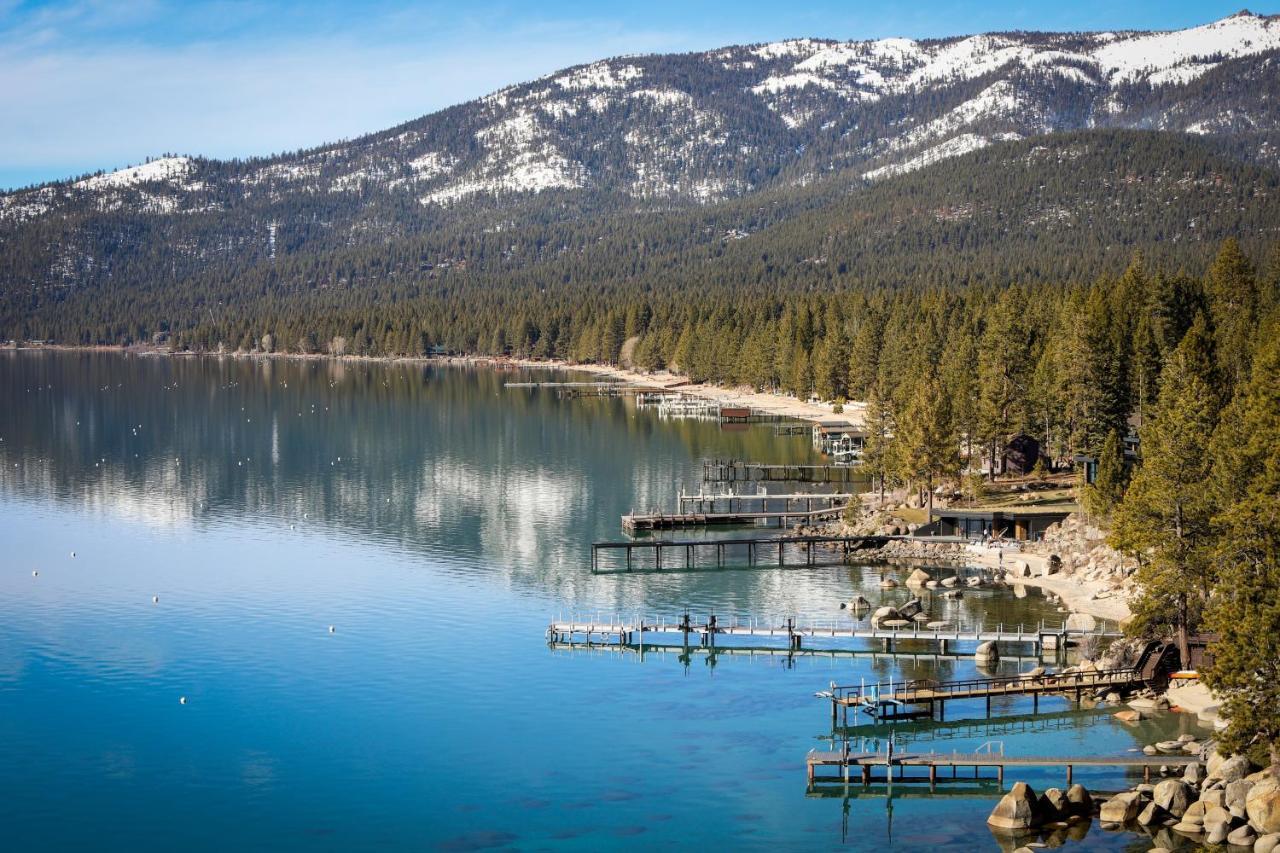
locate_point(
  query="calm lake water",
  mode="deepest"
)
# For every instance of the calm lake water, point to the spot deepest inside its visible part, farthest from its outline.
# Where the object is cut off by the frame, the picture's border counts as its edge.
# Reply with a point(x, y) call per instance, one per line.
point(438, 522)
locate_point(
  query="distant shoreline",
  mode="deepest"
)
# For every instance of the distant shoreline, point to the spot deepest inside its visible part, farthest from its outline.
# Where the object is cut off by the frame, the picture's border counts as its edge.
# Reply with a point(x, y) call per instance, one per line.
point(742, 396)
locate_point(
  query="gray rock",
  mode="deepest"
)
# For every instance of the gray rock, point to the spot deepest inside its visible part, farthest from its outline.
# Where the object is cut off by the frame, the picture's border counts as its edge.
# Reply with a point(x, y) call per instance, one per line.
point(1151, 815)
point(987, 652)
point(1079, 803)
point(1263, 806)
point(1194, 813)
point(1213, 798)
point(1234, 796)
point(1242, 836)
point(1194, 774)
point(1054, 804)
point(1216, 832)
point(1017, 810)
point(1173, 796)
point(1235, 767)
point(1267, 843)
point(1122, 808)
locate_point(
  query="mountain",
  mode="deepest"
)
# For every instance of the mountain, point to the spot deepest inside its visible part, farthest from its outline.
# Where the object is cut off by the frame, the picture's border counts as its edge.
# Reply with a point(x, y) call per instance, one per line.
point(741, 140)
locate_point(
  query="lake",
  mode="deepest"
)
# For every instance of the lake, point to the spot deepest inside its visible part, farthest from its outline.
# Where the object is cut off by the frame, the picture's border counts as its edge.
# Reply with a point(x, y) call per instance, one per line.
point(224, 514)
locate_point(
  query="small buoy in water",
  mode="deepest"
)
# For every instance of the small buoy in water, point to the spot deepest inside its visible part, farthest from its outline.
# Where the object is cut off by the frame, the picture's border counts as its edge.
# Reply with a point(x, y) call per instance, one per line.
point(73, 555)
point(330, 629)
point(35, 574)
point(155, 599)
point(292, 527)
point(182, 700)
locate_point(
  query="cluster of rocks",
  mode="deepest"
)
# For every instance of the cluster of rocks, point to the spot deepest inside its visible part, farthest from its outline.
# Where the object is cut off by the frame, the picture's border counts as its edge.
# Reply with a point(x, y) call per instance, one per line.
point(1222, 800)
point(911, 549)
point(1080, 549)
point(1020, 814)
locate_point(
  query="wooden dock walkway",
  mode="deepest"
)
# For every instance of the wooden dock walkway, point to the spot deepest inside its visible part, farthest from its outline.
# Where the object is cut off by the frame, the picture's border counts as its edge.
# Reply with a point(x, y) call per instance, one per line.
point(720, 553)
point(633, 631)
point(733, 472)
point(733, 502)
point(668, 521)
point(610, 644)
point(893, 766)
point(922, 699)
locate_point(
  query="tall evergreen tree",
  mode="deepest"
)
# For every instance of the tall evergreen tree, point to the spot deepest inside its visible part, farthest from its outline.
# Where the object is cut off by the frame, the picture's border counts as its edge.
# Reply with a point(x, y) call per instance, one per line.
point(925, 445)
point(1245, 609)
point(1165, 516)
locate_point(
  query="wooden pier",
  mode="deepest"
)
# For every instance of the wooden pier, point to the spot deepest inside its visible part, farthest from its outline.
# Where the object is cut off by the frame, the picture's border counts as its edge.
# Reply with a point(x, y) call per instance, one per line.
point(1034, 638)
point(736, 472)
point(781, 551)
point(733, 502)
point(669, 521)
point(892, 768)
point(611, 644)
point(923, 699)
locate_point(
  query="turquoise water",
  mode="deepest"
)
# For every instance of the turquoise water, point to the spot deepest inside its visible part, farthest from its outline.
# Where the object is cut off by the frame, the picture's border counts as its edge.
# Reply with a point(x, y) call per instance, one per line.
point(437, 522)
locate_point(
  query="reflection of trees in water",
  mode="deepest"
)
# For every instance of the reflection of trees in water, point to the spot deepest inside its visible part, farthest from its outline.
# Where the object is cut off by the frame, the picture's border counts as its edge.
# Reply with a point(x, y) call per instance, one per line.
point(424, 456)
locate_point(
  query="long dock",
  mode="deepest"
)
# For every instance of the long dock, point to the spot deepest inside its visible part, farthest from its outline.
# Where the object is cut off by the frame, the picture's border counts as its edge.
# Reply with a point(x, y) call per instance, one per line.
point(893, 767)
point(719, 553)
point(921, 699)
point(626, 632)
point(612, 645)
point(734, 502)
point(734, 472)
point(661, 520)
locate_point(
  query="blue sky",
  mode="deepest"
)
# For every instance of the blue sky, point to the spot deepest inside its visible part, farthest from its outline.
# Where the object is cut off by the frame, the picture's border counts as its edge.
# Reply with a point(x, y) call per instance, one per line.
point(96, 84)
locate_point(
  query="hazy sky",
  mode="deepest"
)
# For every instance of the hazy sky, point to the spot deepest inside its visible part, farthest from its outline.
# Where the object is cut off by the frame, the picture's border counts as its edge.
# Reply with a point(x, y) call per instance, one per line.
point(95, 84)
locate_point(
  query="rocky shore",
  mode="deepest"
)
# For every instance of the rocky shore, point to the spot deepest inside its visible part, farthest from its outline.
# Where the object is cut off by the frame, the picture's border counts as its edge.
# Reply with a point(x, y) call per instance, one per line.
point(1217, 800)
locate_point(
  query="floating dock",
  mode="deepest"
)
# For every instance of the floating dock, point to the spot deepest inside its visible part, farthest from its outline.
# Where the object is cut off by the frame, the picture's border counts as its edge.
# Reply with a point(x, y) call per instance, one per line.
point(733, 502)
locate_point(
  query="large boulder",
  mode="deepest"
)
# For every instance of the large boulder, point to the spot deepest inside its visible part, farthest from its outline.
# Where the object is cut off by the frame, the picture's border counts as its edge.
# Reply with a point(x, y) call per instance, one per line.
point(1233, 768)
point(1122, 808)
point(1262, 805)
point(882, 614)
point(1234, 796)
point(1017, 810)
point(1152, 815)
point(1267, 843)
point(1194, 774)
point(1242, 836)
point(1173, 795)
point(1054, 804)
point(987, 652)
point(919, 577)
point(1081, 622)
point(1079, 802)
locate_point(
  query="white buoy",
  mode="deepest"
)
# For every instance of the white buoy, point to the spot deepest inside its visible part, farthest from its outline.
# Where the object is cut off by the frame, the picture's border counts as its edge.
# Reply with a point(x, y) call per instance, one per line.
point(35, 574)
point(73, 555)
point(155, 599)
point(330, 629)
point(182, 700)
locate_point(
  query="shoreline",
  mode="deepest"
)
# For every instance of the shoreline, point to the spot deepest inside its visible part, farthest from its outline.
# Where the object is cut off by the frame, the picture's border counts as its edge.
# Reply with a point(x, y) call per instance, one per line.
point(765, 402)
point(1077, 594)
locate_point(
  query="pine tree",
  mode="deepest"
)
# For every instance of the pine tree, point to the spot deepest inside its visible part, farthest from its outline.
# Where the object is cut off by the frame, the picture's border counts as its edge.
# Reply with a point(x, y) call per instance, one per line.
point(1245, 609)
point(877, 449)
point(1233, 306)
point(926, 446)
point(1165, 516)
point(1107, 489)
point(1002, 361)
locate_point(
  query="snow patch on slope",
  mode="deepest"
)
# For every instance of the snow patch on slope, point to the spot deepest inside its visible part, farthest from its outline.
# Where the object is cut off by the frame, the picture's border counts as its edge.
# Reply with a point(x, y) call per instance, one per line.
point(162, 169)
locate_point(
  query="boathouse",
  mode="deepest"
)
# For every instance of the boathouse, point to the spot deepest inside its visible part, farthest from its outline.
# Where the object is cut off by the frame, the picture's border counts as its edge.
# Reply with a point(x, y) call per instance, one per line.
point(837, 437)
point(1022, 525)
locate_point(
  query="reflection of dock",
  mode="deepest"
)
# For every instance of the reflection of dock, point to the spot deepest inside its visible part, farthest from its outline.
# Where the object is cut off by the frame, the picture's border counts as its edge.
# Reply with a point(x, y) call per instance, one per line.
point(731, 502)
point(893, 767)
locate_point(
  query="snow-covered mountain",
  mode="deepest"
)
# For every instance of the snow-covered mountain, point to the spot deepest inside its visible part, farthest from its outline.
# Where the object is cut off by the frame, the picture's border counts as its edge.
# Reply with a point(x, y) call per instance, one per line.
point(705, 126)
point(806, 121)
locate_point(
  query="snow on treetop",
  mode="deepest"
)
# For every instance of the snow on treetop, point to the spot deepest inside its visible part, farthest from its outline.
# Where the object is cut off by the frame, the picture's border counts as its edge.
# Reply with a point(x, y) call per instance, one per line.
point(161, 169)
